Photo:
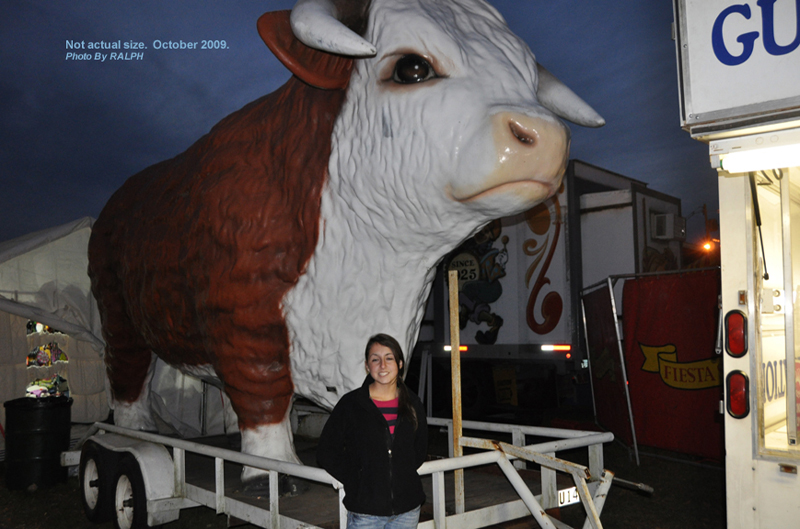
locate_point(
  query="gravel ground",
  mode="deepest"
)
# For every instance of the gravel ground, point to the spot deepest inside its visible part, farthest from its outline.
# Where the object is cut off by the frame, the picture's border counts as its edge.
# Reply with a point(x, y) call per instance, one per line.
point(688, 494)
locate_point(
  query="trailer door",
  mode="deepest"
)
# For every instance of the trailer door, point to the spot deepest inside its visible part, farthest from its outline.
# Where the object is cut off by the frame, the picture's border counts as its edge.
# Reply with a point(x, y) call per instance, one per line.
point(760, 288)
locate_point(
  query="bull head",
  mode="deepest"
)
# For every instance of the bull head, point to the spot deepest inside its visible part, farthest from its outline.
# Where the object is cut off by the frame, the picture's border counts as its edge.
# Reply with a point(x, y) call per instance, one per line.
point(320, 24)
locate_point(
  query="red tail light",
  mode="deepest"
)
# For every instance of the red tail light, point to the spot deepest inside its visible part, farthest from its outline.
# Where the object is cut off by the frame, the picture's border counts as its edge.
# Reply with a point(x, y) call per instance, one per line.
point(738, 390)
point(736, 333)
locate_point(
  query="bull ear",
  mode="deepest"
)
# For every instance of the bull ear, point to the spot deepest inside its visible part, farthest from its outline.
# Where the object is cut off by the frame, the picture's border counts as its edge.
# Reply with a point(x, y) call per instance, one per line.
point(563, 102)
point(317, 68)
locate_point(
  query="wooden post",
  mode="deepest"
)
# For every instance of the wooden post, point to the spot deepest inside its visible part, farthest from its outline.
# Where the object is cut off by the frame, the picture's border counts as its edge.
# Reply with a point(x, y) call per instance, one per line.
point(455, 370)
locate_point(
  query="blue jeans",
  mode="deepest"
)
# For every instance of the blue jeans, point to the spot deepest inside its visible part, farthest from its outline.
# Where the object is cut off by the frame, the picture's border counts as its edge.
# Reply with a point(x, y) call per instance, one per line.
point(407, 520)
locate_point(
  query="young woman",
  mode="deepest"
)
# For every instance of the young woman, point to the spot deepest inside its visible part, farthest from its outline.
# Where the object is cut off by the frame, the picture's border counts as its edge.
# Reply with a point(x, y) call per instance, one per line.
point(375, 440)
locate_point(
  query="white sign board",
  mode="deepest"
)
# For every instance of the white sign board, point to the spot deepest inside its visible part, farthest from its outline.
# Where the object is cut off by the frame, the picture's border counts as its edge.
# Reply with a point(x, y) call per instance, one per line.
point(737, 58)
point(513, 279)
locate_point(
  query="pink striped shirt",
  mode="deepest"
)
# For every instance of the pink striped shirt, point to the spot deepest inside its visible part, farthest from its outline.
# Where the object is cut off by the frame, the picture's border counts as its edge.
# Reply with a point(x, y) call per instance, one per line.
point(389, 410)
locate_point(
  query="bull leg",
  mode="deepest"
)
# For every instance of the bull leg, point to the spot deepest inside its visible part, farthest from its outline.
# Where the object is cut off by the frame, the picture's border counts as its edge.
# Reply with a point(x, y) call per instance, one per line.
point(136, 414)
point(274, 441)
point(129, 361)
point(254, 366)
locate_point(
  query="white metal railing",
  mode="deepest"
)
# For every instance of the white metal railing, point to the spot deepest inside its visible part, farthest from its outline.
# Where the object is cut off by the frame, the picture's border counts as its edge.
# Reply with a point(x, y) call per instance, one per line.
point(565, 439)
point(592, 496)
point(217, 499)
point(542, 453)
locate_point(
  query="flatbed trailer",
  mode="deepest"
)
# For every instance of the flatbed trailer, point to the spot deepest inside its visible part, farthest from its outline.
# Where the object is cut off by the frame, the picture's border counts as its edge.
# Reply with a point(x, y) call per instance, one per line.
point(138, 479)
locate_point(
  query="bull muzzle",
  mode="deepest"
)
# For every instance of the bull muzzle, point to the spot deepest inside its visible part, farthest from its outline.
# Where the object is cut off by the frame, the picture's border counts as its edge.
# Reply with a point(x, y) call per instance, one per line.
point(531, 157)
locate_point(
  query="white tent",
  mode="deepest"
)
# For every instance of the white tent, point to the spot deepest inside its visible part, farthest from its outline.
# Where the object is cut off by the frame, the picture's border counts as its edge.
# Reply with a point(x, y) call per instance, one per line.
point(43, 277)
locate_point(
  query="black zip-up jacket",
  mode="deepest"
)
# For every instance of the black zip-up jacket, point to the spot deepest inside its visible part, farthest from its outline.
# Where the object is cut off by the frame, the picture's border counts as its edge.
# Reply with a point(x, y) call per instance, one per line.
point(379, 474)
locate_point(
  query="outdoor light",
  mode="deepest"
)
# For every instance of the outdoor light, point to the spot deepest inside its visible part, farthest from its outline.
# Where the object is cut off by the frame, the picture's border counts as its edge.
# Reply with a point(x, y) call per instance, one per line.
point(761, 159)
point(556, 347)
point(707, 246)
point(461, 348)
point(756, 152)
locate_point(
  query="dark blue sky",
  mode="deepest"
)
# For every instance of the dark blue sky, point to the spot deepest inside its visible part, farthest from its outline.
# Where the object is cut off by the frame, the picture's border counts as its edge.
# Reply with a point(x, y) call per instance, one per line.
point(73, 131)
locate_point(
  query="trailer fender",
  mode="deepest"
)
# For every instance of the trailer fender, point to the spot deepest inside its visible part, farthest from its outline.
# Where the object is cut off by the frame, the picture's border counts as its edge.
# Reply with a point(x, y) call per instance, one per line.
point(154, 461)
point(157, 468)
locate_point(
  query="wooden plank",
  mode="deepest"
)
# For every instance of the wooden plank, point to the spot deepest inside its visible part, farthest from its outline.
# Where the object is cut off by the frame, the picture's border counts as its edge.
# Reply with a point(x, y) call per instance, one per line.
point(455, 370)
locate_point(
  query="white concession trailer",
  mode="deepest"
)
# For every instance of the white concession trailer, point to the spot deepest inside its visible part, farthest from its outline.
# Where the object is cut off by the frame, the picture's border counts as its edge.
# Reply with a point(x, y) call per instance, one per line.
point(739, 76)
point(520, 283)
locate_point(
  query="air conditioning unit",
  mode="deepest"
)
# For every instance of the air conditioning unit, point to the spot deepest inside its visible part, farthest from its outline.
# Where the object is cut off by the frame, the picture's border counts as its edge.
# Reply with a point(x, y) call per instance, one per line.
point(668, 227)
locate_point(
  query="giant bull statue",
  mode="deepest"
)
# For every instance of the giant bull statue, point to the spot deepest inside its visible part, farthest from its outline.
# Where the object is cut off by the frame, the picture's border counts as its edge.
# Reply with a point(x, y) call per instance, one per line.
point(266, 254)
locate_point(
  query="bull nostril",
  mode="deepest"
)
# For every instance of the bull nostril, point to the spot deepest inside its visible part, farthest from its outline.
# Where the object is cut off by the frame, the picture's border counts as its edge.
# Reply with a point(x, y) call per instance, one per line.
point(522, 134)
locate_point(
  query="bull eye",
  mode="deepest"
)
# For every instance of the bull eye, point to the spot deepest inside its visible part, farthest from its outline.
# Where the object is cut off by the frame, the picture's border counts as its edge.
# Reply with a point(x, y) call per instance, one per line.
point(411, 69)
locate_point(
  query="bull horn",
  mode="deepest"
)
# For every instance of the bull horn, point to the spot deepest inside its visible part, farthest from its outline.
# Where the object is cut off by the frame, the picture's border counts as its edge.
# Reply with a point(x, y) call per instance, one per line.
point(316, 24)
point(563, 102)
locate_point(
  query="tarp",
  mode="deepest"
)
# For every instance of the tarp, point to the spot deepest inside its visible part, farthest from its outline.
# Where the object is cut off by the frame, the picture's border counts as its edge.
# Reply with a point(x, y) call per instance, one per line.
point(670, 325)
point(43, 278)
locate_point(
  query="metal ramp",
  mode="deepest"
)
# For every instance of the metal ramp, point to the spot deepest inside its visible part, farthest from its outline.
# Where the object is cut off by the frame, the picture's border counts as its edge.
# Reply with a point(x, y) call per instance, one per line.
point(592, 502)
point(592, 483)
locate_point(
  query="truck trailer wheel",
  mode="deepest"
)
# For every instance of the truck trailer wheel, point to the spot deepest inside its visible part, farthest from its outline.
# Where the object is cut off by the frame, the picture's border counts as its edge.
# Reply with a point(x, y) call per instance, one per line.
point(130, 498)
point(97, 485)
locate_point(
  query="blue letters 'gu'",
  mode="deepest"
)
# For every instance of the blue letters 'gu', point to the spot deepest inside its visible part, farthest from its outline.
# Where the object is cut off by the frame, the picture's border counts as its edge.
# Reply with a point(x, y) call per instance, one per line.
point(748, 39)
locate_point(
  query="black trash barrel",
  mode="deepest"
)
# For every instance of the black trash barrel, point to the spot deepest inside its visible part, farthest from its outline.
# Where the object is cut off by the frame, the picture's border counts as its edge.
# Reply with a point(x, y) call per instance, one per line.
point(37, 431)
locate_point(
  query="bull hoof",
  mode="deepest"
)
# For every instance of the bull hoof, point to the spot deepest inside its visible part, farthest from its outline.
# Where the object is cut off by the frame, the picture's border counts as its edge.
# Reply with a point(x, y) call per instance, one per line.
point(288, 487)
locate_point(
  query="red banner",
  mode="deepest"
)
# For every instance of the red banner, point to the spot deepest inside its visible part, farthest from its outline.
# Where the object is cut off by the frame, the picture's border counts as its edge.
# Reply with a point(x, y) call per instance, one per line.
point(670, 325)
point(608, 383)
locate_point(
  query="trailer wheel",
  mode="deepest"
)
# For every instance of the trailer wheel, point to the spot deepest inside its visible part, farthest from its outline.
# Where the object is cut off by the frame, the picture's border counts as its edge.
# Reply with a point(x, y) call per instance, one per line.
point(130, 499)
point(96, 479)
